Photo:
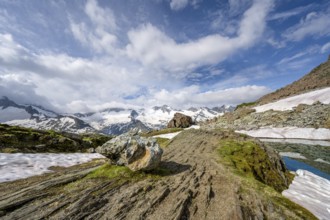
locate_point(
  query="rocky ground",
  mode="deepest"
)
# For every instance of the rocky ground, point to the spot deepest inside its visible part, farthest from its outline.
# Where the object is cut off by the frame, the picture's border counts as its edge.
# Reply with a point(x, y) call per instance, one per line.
point(203, 175)
point(245, 118)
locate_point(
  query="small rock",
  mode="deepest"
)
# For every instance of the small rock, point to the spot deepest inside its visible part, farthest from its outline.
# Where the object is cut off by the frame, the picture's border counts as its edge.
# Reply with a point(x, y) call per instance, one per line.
point(133, 151)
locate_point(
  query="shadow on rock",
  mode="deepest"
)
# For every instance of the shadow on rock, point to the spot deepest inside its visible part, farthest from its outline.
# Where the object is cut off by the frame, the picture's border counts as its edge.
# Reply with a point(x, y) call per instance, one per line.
point(169, 168)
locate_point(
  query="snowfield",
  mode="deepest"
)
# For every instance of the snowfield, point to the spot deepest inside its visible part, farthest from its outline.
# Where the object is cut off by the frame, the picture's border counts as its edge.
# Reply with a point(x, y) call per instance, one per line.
point(289, 132)
point(321, 95)
point(311, 192)
point(20, 166)
point(296, 141)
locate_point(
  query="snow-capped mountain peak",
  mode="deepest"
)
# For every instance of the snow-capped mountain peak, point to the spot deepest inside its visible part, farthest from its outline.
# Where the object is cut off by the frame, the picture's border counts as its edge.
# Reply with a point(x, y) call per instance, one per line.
point(109, 121)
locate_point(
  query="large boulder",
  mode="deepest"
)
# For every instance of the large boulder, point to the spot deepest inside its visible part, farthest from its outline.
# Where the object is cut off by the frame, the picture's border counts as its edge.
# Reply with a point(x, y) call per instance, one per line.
point(133, 151)
point(180, 121)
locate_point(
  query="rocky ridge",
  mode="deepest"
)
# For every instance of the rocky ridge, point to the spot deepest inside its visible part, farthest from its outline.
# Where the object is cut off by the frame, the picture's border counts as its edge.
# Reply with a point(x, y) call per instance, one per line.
point(318, 78)
point(245, 118)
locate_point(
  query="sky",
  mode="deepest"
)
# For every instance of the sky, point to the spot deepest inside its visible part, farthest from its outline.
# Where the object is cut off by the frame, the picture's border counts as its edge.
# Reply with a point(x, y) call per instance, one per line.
point(86, 55)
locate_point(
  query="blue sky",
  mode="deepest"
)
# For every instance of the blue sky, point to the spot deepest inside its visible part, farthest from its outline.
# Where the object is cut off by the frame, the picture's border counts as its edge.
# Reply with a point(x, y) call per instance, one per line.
point(83, 55)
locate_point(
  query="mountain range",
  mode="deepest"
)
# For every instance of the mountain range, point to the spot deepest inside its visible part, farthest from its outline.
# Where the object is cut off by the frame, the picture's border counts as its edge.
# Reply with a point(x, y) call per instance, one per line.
point(112, 121)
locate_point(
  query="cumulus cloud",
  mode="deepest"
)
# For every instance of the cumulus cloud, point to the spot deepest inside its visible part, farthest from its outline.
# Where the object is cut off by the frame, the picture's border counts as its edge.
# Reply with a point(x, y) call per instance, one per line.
point(101, 38)
point(315, 24)
point(178, 4)
point(25, 94)
point(152, 47)
point(325, 48)
point(193, 96)
point(152, 69)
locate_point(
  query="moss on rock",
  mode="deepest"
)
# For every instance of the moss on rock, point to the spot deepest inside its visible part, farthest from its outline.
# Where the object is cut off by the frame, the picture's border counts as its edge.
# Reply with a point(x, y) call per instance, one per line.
point(249, 159)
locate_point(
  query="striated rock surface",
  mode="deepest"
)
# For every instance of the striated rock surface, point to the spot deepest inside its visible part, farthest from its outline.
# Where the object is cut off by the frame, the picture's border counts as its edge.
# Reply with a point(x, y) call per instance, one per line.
point(180, 121)
point(192, 182)
point(133, 151)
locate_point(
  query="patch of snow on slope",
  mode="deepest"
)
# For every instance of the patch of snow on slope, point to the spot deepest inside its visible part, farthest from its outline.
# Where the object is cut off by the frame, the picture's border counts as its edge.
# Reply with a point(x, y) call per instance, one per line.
point(321, 161)
point(321, 95)
point(290, 132)
point(292, 155)
point(311, 192)
point(12, 113)
point(19, 165)
point(49, 123)
point(297, 141)
point(172, 135)
point(45, 112)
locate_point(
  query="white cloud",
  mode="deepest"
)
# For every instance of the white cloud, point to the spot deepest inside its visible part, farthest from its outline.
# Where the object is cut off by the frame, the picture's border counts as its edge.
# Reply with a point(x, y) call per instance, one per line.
point(192, 96)
point(26, 94)
point(238, 6)
point(314, 24)
point(178, 4)
point(152, 47)
point(293, 12)
point(101, 35)
point(325, 48)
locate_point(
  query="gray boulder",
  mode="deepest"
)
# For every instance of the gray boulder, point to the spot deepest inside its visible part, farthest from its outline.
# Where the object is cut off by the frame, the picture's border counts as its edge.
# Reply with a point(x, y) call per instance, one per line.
point(133, 151)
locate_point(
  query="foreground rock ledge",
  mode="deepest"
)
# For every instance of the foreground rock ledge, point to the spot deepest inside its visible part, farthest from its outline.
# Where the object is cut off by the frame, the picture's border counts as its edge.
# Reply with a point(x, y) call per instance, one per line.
point(196, 186)
point(133, 151)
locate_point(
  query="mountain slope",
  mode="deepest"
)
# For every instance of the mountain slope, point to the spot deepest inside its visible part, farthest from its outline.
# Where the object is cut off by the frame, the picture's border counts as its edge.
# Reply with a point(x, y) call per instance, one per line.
point(318, 78)
point(193, 182)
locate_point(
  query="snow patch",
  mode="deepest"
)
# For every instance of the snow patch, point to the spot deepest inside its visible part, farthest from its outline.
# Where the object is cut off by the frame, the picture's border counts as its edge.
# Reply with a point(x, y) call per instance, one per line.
point(172, 135)
point(311, 192)
point(19, 165)
point(168, 136)
point(321, 161)
point(297, 141)
point(289, 132)
point(292, 155)
point(321, 95)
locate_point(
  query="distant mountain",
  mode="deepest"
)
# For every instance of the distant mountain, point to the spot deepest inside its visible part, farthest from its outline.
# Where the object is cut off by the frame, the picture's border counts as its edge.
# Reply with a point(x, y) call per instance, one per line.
point(318, 78)
point(119, 120)
point(108, 121)
point(39, 118)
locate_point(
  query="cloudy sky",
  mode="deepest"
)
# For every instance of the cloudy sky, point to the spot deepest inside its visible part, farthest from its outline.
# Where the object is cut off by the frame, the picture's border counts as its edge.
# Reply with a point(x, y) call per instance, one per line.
point(83, 55)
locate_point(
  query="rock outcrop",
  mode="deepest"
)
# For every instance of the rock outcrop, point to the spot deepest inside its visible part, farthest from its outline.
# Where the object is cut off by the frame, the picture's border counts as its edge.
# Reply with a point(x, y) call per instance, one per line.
point(133, 151)
point(303, 116)
point(180, 121)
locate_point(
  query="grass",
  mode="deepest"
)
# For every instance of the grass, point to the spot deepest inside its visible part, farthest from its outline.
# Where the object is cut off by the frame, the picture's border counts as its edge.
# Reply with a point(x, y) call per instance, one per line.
point(163, 142)
point(25, 140)
point(245, 104)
